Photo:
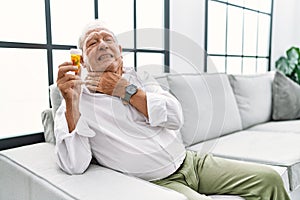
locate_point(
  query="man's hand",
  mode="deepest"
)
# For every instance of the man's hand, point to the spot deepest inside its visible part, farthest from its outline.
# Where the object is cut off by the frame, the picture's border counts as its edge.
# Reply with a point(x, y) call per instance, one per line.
point(109, 83)
point(68, 84)
point(70, 88)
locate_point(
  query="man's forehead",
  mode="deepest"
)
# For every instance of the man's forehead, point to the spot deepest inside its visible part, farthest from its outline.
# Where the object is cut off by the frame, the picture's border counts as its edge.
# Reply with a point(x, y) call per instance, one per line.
point(98, 31)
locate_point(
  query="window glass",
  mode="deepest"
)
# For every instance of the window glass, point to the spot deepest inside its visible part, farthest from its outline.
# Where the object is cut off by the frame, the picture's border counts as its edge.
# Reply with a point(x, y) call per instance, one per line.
point(249, 65)
point(237, 2)
point(263, 35)
point(152, 63)
point(122, 22)
point(68, 19)
point(59, 57)
point(240, 32)
point(265, 6)
point(250, 33)
point(216, 34)
point(234, 65)
point(216, 64)
point(20, 23)
point(24, 91)
point(262, 65)
point(252, 4)
point(128, 59)
point(150, 15)
point(235, 31)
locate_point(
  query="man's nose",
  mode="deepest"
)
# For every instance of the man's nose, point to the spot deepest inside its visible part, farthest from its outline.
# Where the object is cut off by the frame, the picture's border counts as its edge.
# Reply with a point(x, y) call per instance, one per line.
point(102, 45)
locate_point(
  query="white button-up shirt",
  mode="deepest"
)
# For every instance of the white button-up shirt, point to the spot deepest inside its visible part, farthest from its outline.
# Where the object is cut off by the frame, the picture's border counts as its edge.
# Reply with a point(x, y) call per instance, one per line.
point(120, 137)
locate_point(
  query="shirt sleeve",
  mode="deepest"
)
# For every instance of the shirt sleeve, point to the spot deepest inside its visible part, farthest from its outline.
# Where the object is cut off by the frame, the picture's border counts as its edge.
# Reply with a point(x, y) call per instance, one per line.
point(73, 149)
point(163, 108)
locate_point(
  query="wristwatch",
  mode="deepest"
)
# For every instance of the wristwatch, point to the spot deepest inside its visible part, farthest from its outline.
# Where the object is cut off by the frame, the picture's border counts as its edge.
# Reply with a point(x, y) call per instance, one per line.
point(130, 90)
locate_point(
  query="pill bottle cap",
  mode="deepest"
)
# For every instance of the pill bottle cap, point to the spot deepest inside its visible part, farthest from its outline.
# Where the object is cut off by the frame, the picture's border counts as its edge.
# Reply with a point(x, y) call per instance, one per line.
point(76, 51)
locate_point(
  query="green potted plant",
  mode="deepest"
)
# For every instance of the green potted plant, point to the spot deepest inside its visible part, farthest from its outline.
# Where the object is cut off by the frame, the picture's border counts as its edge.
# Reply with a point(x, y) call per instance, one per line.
point(290, 65)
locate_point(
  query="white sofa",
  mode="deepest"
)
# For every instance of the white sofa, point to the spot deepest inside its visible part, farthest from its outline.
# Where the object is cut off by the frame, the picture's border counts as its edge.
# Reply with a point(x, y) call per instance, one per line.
point(228, 116)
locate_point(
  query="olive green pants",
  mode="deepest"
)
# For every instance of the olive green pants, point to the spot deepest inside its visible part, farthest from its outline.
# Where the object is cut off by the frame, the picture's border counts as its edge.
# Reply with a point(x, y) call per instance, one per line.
point(199, 176)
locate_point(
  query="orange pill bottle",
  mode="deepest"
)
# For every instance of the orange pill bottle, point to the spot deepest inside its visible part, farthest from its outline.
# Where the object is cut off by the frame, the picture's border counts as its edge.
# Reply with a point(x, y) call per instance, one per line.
point(75, 58)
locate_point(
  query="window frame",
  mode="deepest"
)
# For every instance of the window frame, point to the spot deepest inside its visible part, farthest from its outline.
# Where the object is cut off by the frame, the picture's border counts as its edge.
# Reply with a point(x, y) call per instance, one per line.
point(242, 56)
point(49, 46)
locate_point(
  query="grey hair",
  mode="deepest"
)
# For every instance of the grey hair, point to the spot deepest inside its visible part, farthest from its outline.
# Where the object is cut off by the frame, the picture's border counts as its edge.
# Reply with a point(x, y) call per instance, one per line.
point(95, 24)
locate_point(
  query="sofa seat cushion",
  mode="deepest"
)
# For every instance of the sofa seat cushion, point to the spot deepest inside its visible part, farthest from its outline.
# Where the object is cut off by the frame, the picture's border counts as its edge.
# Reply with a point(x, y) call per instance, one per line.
point(278, 149)
point(278, 126)
point(225, 197)
point(31, 173)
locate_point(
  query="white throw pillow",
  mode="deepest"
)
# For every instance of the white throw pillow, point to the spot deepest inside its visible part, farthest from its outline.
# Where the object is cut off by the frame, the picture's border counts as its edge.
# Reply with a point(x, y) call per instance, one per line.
point(208, 104)
point(253, 94)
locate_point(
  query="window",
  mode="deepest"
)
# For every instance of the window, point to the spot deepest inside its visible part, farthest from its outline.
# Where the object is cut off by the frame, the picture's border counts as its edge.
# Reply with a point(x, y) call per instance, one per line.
point(238, 35)
point(33, 44)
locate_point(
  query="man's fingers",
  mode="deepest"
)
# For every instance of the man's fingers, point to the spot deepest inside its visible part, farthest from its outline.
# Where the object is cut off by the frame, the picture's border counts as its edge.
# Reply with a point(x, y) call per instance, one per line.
point(92, 82)
point(63, 69)
point(70, 84)
point(93, 88)
point(68, 77)
point(95, 74)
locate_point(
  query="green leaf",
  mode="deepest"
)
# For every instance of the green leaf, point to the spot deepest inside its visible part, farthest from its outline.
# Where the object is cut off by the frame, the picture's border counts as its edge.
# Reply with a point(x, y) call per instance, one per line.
point(290, 65)
point(282, 64)
point(293, 55)
point(298, 74)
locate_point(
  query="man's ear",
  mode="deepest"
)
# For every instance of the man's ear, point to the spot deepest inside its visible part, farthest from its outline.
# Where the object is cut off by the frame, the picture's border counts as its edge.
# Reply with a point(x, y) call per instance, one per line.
point(82, 62)
point(120, 48)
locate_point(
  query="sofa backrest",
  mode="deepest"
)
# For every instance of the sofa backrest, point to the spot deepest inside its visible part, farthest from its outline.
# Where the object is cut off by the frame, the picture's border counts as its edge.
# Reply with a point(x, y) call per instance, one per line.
point(213, 104)
point(254, 97)
point(208, 103)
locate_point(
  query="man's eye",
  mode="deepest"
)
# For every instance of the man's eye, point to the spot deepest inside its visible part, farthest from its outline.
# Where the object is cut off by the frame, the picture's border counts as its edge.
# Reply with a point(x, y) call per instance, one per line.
point(91, 43)
point(108, 39)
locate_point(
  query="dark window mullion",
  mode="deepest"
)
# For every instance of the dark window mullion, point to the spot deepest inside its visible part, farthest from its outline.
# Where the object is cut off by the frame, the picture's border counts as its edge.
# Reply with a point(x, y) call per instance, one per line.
point(243, 34)
point(134, 35)
point(49, 44)
point(4, 44)
point(206, 36)
point(257, 35)
point(167, 36)
point(270, 35)
point(96, 9)
point(226, 36)
point(233, 55)
point(242, 7)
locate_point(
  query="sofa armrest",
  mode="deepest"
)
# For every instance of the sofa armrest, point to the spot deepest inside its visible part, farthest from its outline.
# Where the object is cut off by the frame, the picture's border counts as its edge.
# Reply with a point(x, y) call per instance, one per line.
point(34, 168)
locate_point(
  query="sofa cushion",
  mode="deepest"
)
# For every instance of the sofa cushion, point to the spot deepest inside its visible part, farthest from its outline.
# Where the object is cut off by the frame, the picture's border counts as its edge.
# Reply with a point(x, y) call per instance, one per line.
point(286, 98)
point(39, 177)
point(254, 97)
point(162, 81)
point(48, 124)
point(55, 97)
point(208, 103)
point(278, 149)
point(278, 126)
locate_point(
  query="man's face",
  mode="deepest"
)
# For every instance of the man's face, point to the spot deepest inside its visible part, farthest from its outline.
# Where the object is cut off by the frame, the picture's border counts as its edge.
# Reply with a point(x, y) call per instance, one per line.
point(100, 51)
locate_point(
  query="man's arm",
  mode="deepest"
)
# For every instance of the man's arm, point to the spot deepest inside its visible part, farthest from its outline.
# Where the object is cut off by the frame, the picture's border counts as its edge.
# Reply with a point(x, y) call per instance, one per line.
point(71, 131)
point(72, 148)
point(70, 88)
point(139, 101)
point(163, 108)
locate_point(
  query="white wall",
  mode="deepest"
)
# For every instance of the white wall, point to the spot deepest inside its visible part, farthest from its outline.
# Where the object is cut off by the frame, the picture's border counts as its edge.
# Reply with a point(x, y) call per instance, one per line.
point(187, 35)
point(286, 28)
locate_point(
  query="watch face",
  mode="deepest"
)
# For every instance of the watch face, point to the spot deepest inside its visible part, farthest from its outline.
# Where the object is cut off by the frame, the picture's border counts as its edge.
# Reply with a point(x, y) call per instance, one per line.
point(131, 89)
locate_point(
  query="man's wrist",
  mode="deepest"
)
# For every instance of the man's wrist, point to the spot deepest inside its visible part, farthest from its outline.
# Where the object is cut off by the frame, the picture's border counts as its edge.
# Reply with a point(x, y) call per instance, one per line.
point(130, 90)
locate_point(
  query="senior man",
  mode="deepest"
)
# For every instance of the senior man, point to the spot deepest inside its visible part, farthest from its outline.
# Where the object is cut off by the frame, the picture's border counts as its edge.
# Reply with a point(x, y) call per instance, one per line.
point(129, 125)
